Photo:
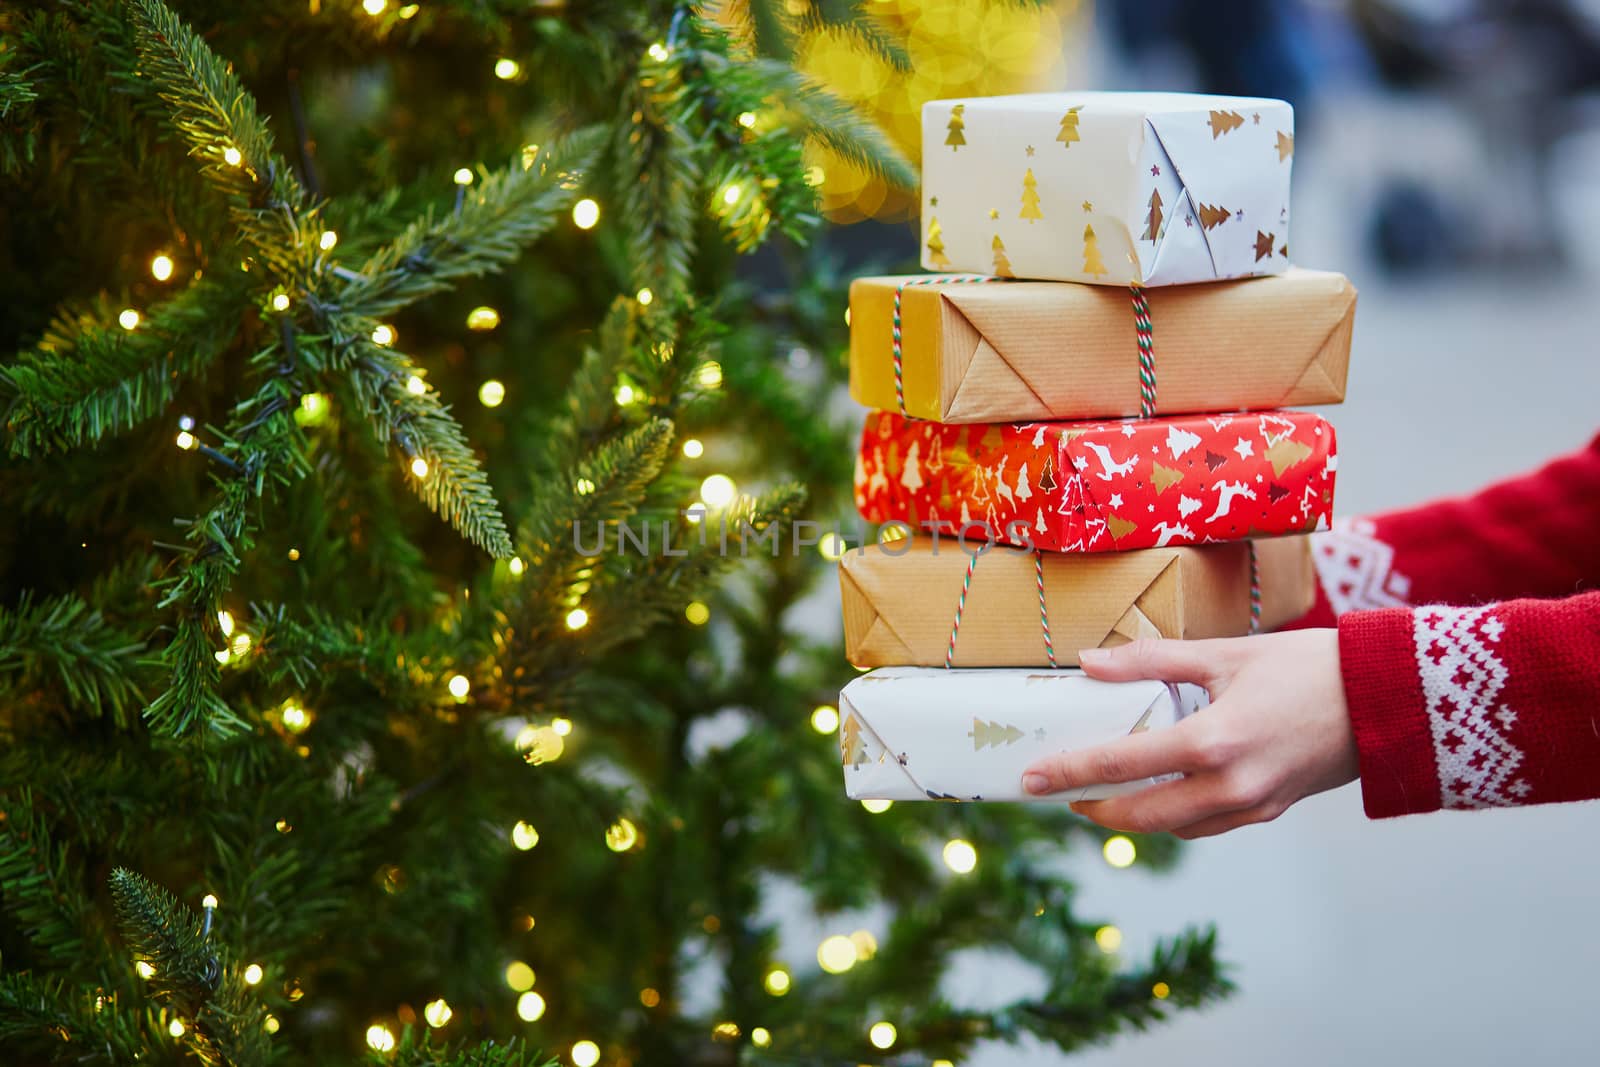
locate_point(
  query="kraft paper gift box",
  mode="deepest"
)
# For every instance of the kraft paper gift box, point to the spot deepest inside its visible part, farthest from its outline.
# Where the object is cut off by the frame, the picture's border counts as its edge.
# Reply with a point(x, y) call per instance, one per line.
point(1102, 486)
point(1014, 351)
point(899, 599)
point(918, 733)
point(1109, 188)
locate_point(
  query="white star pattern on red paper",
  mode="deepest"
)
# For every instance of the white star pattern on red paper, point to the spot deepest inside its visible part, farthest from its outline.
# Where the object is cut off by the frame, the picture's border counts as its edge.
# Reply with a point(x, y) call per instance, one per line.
point(1244, 448)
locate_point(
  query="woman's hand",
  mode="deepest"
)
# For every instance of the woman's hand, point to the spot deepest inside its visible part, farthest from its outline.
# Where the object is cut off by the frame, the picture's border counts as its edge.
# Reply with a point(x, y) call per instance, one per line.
point(1277, 730)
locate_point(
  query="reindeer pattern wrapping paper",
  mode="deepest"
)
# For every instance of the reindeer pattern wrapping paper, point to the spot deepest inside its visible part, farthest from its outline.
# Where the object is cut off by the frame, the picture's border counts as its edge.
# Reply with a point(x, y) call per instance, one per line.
point(1102, 486)
point(1107, 188)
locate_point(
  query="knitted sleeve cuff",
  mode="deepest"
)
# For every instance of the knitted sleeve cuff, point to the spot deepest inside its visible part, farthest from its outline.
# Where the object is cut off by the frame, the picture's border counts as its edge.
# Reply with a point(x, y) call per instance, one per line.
point(1382, 687)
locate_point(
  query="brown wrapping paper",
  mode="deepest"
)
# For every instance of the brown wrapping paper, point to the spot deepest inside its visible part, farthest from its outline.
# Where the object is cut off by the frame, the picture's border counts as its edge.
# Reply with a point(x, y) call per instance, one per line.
point(1027, 351)
point(900, 599)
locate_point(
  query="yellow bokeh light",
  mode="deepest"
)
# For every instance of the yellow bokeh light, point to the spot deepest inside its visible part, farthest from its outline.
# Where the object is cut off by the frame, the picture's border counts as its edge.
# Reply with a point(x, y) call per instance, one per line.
point(577, 619)
point(145, 969)
point(622, 835)
point(1108, 938)
point(176, 1028)
point(459, 685)
point(161, 267)
point(328, 239)
point(506, 69)
point(483, 318)
point(583, 486)
point(585, 1054)
point(832, 546)
point(462, 176)
point(960, 856)
point(383, 334)
point(240, 644)
point(210, 901)
point(693, 448)
point(625, 395)
point(658, 52)
point(419, 467)
point(585, 213)
point(530, 1007)
point(524, 836)
point(253, 974)
point(232, 156)
point(882, 1035)
point(747, 119)
point(519, 976)
point(280, 302)
point(725, 1031)
point(128, 319)
point(836, 954)
point(649, 997)
point(645, 296)
point(877, 807)
point(437, 1012)
point(270, 1024)
point(760, 1037)
point(516, 566)
point(409, 11)
point(374, 7)
point(777, 981)
point(731, 193)
point(718, 491)
point(710, 374)
point(540, 744)
point(186, 441)
point(697, 613)
point(1161, 991)
point(866, 945)
point(492, 393)
point(942, 1063)
point(530, 152)
point(416, 386)
point(825, 718)
point(225, 623)
point(295, 719)
point(379, 1037)
point(561, 726)
point(1119, 851)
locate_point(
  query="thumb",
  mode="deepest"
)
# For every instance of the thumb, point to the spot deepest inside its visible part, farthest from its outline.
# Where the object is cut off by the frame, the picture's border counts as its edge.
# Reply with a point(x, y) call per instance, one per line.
point(1200, 662)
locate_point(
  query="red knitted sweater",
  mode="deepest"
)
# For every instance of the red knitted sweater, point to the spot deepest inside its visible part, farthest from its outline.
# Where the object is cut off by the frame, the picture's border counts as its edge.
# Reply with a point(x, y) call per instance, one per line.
point(1488, 694)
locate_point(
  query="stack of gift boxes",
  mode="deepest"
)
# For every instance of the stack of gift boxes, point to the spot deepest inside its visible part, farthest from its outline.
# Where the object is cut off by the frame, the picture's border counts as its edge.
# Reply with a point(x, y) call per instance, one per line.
point(1100, 454)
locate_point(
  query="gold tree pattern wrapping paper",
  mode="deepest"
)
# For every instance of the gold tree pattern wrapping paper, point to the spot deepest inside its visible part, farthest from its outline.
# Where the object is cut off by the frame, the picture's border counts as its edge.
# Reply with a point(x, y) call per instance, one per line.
point(920, 733)
point(1108, 188)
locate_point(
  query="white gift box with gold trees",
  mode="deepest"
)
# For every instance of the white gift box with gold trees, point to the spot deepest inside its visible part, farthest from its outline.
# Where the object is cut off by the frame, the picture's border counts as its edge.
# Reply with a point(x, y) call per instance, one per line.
point(927, 733)
point(1109, 188)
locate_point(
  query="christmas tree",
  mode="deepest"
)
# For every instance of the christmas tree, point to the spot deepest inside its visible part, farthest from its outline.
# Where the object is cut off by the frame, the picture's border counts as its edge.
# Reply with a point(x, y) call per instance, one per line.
point(1069, 127)
point(954, 136)
point(1092, 263)
point(1030, 197)
point(338, 337)
point(1002, 265)
point(936, 254)
point(1152, 220)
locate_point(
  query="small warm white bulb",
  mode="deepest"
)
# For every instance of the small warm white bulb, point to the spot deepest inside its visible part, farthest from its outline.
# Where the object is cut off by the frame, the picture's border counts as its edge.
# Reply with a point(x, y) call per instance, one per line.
point(374, 7)
point(463, 176)
point(718, 491)
point(960, 856)
point(419, 467)
point(280, 302)
point(516, 566)
point(128, 319)
point(577, 619)
point(747, 119)
point(524, 836)
point(459, 685)
point(328, 239)
point(882, 1035)
point(161, 267)
point(506, 69)
point(492, 393)
point(186, 441)
point(585, 213)
point(645, 297)
point(437, 1012)
point(585, 1054)
point(176, 1028)
point(253, 974)
point(232, 156)
point(530, 1007)
point(379, 1037)
point(383, 335)
point(658, 52)
point(825, 718)
point(731, 193)
point(416, 386)
point(210, 901)
point(693, 448)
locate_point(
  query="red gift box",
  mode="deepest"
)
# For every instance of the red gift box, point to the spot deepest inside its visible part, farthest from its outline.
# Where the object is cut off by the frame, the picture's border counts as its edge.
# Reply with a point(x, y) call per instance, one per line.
point(1102, 486)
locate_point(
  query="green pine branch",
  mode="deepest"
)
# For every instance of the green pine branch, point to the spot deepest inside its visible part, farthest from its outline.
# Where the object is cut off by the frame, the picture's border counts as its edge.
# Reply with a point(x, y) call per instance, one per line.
point(501, 213)
point(661, 177)
point(93, 378)
point(63, 641)
point(54, 1021)
point(453, 483)
point(37, 884)
point(836, 124)
point(223, 1019)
